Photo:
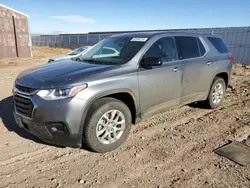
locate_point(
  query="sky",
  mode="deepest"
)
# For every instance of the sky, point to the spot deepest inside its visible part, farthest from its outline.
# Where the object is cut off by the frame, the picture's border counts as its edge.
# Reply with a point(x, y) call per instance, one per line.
point(75, 16)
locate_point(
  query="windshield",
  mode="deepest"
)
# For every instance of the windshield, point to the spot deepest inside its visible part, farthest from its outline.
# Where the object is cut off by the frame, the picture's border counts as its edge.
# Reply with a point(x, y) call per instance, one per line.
point(77, 51)
point(114, 50)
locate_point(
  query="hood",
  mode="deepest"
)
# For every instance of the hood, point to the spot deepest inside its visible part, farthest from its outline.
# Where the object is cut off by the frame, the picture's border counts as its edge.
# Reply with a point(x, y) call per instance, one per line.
point(57, 75)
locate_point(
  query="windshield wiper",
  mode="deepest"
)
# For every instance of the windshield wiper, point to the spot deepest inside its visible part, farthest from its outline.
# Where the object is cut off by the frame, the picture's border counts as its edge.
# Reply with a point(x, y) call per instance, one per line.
point(92, 61)
point(115, 57)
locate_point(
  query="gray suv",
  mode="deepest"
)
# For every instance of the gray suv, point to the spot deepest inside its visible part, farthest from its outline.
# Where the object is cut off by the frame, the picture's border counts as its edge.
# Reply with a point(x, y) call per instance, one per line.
point(122, 79)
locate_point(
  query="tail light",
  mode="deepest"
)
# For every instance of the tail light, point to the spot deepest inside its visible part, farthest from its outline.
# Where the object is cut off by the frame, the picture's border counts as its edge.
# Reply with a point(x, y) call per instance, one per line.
point(231, 58)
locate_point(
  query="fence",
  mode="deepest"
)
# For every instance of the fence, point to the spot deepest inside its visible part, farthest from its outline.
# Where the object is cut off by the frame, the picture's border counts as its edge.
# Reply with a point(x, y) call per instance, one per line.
point(236, 38)
point(68, 41)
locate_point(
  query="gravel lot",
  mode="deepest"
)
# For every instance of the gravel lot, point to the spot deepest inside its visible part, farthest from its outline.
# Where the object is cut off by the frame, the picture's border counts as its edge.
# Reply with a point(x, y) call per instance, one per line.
point(171, 149)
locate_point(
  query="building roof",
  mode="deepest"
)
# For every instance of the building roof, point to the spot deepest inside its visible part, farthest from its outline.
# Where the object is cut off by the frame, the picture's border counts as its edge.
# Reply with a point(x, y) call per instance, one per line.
point(1, 5)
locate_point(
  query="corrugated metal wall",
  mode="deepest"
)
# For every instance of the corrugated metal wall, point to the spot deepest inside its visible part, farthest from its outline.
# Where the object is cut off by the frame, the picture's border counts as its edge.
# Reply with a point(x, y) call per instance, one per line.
point(14, 34)
point(237, 39)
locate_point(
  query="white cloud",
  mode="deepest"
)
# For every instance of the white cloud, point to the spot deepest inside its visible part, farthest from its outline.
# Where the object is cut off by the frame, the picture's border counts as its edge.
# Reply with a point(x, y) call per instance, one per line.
point(74, 18)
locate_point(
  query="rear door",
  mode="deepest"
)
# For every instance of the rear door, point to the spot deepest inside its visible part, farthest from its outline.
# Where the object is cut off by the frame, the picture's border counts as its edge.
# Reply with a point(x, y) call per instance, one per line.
point(191, 52)
point(160, 85)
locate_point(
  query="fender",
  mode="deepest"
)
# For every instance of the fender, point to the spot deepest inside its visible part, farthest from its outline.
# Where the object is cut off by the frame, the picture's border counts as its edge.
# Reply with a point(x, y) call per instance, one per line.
point(224, 70)
point(101, 95)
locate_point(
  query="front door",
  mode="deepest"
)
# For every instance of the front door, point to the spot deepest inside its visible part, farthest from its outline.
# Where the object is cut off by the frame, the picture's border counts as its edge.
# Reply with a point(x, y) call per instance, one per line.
point(160, 86)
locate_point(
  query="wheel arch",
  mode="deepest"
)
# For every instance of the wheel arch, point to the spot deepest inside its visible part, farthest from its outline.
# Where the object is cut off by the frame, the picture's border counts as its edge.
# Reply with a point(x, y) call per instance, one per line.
point(124, 95)
point(224, 76)
point(222, 73)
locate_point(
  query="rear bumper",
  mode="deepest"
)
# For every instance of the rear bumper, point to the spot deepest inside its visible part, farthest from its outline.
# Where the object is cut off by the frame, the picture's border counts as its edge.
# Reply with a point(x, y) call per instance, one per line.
point(56, 122)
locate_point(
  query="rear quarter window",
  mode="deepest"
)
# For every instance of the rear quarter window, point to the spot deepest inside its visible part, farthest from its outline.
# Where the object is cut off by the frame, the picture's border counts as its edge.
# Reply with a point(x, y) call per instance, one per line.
point(219, 44)
point(201, 47)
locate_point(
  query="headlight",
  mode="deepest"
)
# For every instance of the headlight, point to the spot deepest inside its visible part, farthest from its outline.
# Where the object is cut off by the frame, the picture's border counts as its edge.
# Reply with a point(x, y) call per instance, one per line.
point(54, 94)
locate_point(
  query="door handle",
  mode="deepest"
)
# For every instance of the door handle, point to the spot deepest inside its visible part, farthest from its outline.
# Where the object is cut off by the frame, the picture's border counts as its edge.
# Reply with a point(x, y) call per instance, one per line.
point(175, 69)
point(209, 63)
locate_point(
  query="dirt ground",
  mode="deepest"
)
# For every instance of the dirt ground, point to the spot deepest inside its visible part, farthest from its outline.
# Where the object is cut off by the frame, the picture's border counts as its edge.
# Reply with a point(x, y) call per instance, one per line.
point(171, 149)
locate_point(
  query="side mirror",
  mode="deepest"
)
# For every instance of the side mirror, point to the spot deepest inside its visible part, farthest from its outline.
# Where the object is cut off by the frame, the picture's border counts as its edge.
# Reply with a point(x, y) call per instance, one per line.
point(151, 61)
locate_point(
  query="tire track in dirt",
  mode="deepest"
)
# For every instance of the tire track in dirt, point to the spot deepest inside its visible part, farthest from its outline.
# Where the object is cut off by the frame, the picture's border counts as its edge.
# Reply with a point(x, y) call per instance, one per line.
point(24, 156)
point(205, 143)
point(191, 116)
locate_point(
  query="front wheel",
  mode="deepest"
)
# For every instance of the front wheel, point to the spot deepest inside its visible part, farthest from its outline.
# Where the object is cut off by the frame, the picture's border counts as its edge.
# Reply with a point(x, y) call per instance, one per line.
point(107, 125)
point(217, 92)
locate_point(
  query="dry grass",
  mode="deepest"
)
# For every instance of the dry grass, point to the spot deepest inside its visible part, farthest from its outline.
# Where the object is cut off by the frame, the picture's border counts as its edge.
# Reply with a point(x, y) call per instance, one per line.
point(240, 70)
point(8, 62)
point(46, 52)
point(41, 55)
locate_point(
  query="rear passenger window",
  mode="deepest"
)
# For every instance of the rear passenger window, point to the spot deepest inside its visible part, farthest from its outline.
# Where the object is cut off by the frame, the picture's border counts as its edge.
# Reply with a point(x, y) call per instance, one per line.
point(218, 44)
point(187, 47)
point(201, 47)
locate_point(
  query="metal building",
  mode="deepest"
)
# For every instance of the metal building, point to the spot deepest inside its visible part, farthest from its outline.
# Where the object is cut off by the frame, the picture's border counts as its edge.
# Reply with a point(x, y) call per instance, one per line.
point(15, 38)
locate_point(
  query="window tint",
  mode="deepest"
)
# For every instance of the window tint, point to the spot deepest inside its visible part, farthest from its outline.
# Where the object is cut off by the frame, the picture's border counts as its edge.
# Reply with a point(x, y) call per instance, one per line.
point(163, 48)
point(187, 47)
point(201, 47)
point(218, 44)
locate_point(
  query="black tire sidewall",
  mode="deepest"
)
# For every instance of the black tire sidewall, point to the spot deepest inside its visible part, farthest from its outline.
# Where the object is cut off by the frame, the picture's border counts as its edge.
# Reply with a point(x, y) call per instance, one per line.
point(210, 97)
point(100, 108)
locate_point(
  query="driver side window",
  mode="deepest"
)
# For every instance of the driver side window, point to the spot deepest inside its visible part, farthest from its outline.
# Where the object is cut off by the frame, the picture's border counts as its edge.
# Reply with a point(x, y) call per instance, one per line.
point(163, 48)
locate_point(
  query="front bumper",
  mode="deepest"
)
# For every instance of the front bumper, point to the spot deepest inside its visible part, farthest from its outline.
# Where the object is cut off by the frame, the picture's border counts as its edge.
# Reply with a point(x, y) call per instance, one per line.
point(57, 122)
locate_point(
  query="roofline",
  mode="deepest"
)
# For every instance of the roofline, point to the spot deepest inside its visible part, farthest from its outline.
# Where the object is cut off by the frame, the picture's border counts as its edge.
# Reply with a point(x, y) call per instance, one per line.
point(197, 31)
point(162, 30)
point(170, 33)
point(14, 10)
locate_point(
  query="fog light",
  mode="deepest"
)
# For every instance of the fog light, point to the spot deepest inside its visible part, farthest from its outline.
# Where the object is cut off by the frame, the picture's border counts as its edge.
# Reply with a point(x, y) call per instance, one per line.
point(57, 128)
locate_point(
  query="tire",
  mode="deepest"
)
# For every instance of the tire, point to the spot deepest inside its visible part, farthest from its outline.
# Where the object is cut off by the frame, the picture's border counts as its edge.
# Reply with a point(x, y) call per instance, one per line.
point(215, 99)
point(99, 123)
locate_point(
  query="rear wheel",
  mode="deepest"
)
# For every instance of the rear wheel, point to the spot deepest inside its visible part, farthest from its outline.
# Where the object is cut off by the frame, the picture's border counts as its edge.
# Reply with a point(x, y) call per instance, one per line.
point(217, 92)
point(107, 125)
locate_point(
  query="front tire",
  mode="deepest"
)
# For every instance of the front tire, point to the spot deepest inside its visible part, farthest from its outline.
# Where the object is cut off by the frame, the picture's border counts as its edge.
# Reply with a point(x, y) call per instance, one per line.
point(216, 94)
point(107, 125)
